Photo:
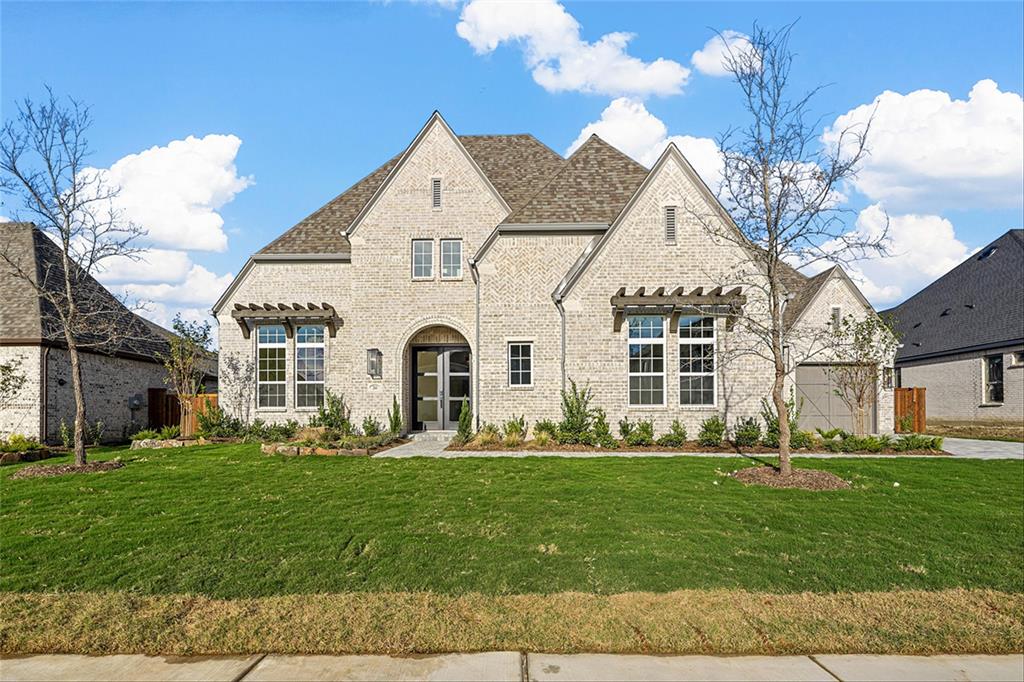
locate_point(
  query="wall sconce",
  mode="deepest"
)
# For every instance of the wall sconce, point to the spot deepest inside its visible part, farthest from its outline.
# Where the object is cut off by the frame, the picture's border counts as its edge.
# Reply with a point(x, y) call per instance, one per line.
point(374, 363)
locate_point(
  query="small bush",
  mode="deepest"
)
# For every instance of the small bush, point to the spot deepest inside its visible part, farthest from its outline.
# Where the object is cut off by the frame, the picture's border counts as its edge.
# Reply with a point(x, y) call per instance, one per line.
point(831, 434)
point(94, 432)
point(747, 432)
point(575, 426)
point(170, 432)
point(516, 426)
point(541, 438)
point(487, 436)
point(395, 416)
point(465, 430)
point(372, 427)
point(334, 414)
point(357, 442)
point(261, 432)
point(712, 431)
point(19, 443)
point(801, 440)
point(676, 436)
point(214, 422)
point(625, 428)
point(642, 434)
point(906, 423)
point(545, 426)
point(66, 436)
point(771, 421)
point(915, 441)
point(146, 434)
point(602, 431)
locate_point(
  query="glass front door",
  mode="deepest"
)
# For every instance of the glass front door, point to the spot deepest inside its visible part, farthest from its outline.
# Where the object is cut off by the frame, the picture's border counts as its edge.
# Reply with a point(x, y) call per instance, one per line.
point(442, 383)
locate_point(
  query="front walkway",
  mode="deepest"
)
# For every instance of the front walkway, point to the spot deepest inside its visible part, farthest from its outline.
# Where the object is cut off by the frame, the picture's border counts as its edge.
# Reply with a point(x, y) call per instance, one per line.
point(960, 448)
point(511, 666)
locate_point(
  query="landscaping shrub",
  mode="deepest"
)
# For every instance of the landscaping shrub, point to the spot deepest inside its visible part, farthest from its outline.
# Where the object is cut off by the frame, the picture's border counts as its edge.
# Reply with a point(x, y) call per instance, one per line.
point(771, 421)
point(514, 431)
point(365, 442)
point(801, 440)
point(214, 422)
point(487, 436)
point(170, 432)
point(625, 428)
point(747, 432)
point(371, 427)
point(395, 416)
point(541, 438)
point(830, 434)
point(712, 431)
point(66, 436)
point(916, 441)
point(333, 414)
point(261, 432)
point(575, 426)
point(602, 431)
point(676, 436)
point(465, 430)
point(641, 434)
point(19, 443)
point(545, 426)
point(146, 434)
point(906, 423)
point(94, 432)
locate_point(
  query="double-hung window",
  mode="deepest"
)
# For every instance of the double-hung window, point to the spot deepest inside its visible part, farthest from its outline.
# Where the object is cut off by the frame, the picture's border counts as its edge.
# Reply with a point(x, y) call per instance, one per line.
point(423, 259)
point(520, 364)
point(646, 360)
point(451, 258)
point(697, 361)
point(270, 367)
point(993, 379)
point(309, 366)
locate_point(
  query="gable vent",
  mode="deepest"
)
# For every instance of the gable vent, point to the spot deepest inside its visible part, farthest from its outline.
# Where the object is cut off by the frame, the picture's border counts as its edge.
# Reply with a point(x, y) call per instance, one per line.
point(670, 223)
point(435, 192)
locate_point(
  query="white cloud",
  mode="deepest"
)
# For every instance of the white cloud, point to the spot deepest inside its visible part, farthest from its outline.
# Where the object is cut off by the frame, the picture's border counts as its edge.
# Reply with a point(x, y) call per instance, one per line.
point(153, 265)
point(710, 59)
point(627, 125)
point(559, 58)
point(175, 192)
point(929, 151)
point(921, 248)
point(198, 286)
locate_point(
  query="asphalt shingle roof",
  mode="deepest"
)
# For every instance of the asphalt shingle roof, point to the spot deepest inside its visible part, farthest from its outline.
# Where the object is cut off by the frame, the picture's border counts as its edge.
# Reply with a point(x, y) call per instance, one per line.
point(978, 303)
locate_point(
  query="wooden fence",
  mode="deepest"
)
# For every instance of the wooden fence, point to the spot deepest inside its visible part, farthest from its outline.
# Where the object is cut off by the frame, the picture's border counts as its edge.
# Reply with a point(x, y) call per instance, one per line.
point(910, 402)
point(165, 410)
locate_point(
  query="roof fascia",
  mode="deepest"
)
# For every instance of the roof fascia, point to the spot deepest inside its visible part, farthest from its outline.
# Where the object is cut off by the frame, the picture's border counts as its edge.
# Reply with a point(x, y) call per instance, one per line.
point(547, 229)
point(835, 271)
point(235, 283)
point(435, 118)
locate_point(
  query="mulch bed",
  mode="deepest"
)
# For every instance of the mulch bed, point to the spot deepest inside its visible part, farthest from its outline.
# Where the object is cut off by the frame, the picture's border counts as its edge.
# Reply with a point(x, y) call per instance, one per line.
point(804, 479)
point(43, 470)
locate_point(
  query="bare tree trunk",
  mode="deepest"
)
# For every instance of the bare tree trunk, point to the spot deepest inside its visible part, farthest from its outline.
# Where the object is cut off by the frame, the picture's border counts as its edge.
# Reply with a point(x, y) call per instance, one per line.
point(76, 385)
point(785, 467)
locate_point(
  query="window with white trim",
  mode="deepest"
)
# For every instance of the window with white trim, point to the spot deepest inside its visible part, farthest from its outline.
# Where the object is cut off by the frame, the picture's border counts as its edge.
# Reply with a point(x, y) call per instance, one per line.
point(670, 224)
point(697, 372)
point(435, 192)
point(422, 258)
point(520, 363)
point(451, 259)
point(270, 365)
point(309, 366)
point(646, 360)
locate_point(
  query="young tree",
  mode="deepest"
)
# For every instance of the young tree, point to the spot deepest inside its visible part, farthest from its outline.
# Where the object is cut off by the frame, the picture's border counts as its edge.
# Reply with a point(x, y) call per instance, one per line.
point(188, 351)
point(11, 382)
point(866, 347)
point(782, 188)
point(43, 152)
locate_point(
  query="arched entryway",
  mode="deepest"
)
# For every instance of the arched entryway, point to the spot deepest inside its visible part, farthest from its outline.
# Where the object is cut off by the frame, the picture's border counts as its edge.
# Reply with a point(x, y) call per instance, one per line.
point(440, 365)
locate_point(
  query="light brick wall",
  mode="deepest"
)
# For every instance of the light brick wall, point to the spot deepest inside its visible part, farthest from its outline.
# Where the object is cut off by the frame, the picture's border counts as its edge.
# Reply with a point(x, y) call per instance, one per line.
point(954, 386)
point(22, 416)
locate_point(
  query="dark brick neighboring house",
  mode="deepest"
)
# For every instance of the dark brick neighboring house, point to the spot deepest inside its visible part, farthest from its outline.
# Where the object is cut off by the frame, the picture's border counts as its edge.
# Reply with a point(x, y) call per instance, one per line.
point(963, 337)
point(117, 376)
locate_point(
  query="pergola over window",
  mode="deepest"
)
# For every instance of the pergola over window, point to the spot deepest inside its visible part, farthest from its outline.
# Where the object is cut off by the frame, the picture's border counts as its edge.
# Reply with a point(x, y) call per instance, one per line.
point(676, 304)
point(291, 316)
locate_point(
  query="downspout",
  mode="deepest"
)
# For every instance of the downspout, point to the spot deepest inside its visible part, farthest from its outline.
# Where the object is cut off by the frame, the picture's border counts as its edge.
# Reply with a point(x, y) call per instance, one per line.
point(476, 355)
point(44, 393)
point(561, 313)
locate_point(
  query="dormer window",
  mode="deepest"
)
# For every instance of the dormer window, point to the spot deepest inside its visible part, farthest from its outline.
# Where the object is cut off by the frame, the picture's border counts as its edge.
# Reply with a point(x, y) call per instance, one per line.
point(435, 192)
point(670, 224)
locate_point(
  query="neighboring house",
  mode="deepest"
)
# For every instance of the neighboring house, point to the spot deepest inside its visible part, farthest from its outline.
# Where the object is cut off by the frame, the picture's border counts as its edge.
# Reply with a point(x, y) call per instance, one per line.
point(116, 376)
point(490, 269)
point(963, 337)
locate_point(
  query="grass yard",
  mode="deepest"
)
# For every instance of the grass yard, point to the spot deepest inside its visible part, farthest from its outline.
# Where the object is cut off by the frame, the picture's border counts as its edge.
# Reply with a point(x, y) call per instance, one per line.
point(220, 549)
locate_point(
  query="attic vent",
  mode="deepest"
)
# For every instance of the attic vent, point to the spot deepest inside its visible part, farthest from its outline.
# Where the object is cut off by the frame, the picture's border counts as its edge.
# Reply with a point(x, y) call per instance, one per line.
point(670, 224)
point(917, 325)
point(987, 252)
point(969, 305)
point(916, 344)
point(435, 192)
point(945, 312)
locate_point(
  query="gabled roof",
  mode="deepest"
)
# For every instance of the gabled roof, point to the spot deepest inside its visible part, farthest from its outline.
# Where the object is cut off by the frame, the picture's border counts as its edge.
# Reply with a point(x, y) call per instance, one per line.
point(978, 304)
point(591, 186)
point(803, 291)
point(26, 318)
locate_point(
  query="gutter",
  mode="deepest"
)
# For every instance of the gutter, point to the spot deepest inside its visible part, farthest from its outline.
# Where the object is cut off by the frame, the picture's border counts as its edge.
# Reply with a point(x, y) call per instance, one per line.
point(476, 356)
point(558, 299)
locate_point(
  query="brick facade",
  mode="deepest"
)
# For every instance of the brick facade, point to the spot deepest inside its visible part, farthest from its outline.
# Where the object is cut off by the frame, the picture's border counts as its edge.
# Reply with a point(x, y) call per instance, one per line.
point(954, 386)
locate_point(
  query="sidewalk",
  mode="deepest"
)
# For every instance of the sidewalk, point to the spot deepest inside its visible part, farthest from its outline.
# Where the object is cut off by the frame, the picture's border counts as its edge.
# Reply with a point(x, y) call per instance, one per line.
point(510, 666)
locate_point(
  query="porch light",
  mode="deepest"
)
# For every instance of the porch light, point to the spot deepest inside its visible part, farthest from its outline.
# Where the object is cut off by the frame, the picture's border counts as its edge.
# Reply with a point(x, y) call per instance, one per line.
point(374, 363)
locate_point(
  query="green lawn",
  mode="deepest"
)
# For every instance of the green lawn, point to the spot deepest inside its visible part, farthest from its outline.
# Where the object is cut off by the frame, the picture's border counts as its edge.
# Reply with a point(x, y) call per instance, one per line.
point(228, 522)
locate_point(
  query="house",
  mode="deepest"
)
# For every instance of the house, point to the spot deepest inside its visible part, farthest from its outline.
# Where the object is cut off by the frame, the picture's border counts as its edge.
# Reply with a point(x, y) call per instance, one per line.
point(489, 269)
point(117, 376)
point(963, 337)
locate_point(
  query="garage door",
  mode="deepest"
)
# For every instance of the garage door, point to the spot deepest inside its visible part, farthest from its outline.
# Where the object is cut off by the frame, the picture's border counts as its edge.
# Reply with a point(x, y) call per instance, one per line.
point(822, 408)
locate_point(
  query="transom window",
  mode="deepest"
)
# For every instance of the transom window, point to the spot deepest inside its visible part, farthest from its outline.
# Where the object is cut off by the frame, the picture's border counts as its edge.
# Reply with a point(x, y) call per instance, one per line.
point(451, 258)
point(993, 379)
point(646, 360)
point(697, 361)
point(520, 364)
point(270, 365)
point(423, 258)
point(309, 366)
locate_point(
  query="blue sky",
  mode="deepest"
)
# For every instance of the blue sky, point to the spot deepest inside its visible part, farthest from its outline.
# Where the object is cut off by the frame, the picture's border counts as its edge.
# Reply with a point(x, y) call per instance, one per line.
point(317, 95)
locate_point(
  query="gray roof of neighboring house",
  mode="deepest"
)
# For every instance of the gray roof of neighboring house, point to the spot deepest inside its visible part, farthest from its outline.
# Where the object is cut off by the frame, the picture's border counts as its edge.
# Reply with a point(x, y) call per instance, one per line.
point(26, 318)
point(977, 304)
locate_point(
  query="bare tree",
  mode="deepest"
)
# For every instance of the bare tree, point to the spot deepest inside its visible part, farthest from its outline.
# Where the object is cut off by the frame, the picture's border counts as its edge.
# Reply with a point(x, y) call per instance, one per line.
point(866, 346)
point(185, 360)
point(43, 152)
point(12, 379)
point(782, 187)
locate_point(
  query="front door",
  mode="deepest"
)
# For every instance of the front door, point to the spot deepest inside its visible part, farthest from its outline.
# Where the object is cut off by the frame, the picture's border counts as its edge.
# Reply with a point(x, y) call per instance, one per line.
point(442, 382)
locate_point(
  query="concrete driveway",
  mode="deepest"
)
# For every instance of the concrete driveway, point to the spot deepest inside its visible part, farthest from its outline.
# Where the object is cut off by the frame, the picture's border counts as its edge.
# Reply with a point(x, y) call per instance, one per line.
point(983, 449)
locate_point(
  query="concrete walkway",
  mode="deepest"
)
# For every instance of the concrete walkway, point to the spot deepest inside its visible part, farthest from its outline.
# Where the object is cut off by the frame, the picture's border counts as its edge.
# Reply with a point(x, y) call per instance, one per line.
point(510, 666)
point(961, 448)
